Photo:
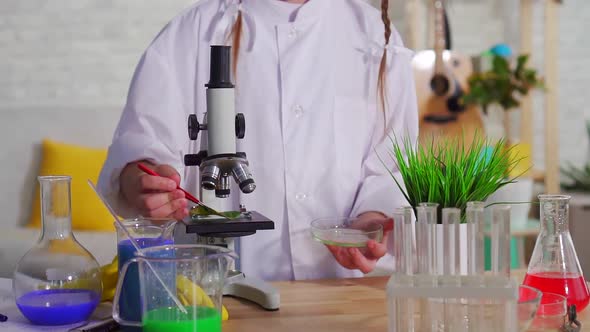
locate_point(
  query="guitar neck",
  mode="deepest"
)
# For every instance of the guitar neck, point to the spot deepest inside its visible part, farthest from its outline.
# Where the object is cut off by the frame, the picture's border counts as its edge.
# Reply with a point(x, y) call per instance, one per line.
point(439, 36)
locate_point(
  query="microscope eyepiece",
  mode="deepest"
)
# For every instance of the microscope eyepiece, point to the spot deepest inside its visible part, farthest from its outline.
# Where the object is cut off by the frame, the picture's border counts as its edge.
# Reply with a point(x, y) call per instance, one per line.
point(220, 67)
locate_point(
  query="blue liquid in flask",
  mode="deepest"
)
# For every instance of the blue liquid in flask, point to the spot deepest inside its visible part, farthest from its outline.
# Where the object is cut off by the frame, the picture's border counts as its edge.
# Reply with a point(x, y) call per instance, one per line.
point(58, 306)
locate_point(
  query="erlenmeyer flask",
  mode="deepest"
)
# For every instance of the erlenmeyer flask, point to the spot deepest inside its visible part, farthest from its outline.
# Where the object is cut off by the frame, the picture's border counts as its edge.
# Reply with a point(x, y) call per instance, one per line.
point(57, 282)
point(554, 265)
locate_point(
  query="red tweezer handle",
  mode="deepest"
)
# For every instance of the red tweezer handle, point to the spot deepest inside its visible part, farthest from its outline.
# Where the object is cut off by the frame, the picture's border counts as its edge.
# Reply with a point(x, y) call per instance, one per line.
point(186, 193)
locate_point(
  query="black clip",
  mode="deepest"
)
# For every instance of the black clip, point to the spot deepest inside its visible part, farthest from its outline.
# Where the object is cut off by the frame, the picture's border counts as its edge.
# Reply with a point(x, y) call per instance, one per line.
point(572, 324)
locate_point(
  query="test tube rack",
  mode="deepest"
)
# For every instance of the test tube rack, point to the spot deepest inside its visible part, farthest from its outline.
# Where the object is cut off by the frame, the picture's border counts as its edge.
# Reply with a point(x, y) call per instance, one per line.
point(452, 303)
point(439, 283)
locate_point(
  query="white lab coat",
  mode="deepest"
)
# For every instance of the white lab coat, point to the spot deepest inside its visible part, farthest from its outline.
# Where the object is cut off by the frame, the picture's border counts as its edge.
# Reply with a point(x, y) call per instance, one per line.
point(306, 83)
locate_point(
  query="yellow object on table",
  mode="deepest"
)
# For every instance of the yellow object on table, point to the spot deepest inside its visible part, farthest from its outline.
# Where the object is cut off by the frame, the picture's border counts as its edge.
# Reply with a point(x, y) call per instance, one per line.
point(189, 293)
point(110, 275)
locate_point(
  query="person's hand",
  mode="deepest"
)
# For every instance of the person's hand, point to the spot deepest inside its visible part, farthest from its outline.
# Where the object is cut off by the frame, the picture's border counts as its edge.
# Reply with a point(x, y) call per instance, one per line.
point(154, 196)
point(365, 260)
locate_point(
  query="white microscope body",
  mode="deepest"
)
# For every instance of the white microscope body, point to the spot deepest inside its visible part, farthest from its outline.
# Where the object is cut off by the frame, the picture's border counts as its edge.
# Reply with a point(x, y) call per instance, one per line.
point(218, 163)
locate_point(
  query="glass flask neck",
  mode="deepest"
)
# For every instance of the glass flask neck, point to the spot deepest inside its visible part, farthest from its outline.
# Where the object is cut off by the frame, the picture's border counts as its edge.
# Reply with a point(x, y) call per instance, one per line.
point(56, 207)
point(554, 214)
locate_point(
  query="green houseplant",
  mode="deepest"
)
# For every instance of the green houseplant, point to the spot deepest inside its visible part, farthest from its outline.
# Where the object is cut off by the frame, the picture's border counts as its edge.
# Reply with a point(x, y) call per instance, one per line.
point(450, 174)
point(502, 85)
point(498, 91)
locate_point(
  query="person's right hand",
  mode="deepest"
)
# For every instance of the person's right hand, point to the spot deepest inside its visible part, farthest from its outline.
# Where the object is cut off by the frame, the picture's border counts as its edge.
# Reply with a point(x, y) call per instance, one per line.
point(154, 196)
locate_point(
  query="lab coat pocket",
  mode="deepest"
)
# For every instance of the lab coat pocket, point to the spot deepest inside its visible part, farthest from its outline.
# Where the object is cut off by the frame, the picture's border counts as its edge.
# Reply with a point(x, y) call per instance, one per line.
point(353, 125)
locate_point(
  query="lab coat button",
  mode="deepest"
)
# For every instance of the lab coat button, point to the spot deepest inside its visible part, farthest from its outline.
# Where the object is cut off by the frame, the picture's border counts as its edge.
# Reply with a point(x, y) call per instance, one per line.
point(298, 110)
point(293, 33)
point(300, 196)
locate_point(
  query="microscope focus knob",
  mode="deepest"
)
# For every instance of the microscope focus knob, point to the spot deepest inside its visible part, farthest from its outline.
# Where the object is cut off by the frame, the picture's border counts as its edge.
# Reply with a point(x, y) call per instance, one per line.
point(240, 125)
point(193, 127)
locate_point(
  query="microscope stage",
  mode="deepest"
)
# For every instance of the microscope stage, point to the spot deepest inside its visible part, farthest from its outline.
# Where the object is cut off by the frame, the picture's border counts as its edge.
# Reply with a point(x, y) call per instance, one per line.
point(214, 226)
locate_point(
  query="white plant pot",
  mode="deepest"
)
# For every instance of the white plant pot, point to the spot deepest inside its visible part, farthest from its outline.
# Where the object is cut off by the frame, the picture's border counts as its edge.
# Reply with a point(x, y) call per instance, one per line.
point(519, 191)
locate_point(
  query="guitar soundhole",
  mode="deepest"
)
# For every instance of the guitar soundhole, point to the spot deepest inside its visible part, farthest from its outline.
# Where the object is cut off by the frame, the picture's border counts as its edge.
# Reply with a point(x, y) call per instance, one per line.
point(440, 84)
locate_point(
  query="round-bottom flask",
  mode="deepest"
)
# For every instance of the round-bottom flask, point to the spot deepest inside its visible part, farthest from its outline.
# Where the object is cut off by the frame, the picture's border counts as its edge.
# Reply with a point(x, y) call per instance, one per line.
point(57, 282)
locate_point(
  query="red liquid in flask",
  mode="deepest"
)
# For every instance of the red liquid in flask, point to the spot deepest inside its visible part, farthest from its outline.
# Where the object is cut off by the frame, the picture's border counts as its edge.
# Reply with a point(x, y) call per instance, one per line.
point(573, 287)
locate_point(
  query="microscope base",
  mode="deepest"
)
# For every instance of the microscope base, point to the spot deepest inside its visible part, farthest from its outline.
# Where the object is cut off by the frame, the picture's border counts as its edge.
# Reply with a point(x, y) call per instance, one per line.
point(254, 290)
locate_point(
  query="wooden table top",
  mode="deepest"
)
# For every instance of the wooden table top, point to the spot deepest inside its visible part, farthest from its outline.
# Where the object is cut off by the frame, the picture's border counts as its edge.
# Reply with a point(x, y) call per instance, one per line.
point(324, 305)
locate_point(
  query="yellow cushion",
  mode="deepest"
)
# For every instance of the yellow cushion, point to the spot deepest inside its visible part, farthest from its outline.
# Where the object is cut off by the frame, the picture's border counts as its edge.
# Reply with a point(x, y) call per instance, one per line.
point(81, 163)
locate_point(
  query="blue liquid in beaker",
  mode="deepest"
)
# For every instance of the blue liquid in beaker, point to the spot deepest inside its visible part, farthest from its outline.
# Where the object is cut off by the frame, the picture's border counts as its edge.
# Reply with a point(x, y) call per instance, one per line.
point(130, 301)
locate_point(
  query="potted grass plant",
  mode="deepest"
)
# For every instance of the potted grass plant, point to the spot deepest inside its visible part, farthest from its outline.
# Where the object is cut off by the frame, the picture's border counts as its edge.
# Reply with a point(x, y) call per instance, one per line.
point(450, 174)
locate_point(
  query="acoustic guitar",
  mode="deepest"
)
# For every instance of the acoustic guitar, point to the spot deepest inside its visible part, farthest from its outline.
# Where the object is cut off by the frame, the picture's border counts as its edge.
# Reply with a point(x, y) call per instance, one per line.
point(441, 80)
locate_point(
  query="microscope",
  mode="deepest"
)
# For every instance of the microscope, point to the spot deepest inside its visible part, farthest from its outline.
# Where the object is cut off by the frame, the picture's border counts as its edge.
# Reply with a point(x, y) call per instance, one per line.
point(219, 163)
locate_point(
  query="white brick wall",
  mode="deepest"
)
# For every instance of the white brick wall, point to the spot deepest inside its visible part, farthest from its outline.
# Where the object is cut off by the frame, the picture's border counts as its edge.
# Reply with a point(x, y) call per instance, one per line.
point(81, 53)
point(74, 52)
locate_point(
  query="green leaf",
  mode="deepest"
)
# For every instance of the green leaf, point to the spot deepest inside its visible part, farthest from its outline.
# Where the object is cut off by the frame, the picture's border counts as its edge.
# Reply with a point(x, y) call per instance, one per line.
point(521, 63)
point(500, 65)
point(232, 214)
point(200, 210)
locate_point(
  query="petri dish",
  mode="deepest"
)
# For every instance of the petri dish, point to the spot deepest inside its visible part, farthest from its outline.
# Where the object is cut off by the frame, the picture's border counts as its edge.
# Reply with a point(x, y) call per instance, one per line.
point(551, 313)
point(346, 232)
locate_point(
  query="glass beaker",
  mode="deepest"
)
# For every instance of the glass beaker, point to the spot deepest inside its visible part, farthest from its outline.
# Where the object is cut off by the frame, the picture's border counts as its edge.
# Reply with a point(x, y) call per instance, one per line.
point(57, 282)
point(554, 265)
point(147, 233)
point(195, 273)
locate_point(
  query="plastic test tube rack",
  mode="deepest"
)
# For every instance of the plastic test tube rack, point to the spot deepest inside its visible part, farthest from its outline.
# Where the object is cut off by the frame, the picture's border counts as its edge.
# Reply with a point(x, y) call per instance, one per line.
point(443, 287)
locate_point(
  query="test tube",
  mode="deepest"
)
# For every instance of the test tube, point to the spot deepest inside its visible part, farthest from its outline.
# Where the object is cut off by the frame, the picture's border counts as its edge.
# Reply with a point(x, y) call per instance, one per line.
point(475, 238)
point(422, 241)
point(399, 240)
point(474, 214)
point(408, 240)
point(403, 223)
point(500, 234)
point(451, 218)
point(426, 246)
point(429, 213)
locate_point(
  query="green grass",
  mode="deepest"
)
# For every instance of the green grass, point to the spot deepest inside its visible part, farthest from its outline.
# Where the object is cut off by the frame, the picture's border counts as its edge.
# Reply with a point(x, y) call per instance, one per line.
point(447, 173)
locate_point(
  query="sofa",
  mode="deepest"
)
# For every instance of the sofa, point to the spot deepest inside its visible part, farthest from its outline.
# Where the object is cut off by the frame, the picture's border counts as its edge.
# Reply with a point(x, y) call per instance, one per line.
point(22, 131)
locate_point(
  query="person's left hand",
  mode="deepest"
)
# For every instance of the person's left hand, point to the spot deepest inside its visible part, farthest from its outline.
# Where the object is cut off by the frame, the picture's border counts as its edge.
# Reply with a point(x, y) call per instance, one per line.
point(366, 260)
